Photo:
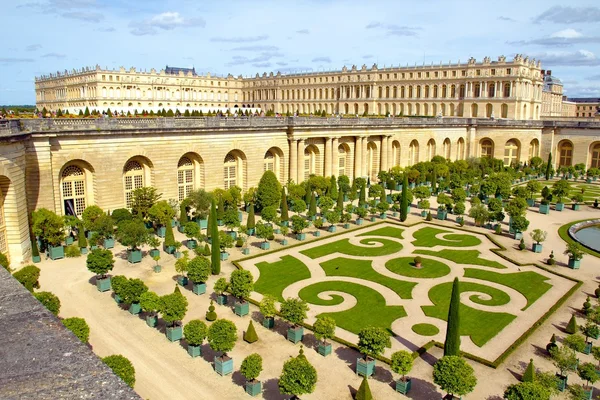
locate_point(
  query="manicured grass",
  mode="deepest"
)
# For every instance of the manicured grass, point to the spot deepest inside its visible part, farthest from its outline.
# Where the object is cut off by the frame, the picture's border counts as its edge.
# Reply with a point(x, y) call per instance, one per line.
point(344, 246)
point(275, 277)
point(563, 232)
point(370, 309)
point(462, 257)
point(426, 237)
point(389, 231)
point(591, 191)
point(481, 326)
point(363, 269)
point(530, 284)
point(425, 329)
point(429, 268)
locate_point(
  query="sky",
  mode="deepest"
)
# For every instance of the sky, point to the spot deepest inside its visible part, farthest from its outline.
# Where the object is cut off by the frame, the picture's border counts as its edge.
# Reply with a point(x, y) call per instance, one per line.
point(249, 37)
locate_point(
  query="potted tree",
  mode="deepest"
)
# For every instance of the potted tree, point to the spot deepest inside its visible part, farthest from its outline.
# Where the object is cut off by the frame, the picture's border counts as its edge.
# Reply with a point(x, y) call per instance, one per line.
point(181, 267)
point(575, 253)
point(298, 225)
point(220, 287)
point(198, 270)
point(231, 221)
point(284, 232)
point(225, 242)
point(268, 310)
point(560, 189)
point(444, 201)
point(241, 284)
point(294, 311)
point(222, 335)
point(298, 376)
point(372, 341)
point(538, 236)
point(577, 198)
point(519, 225)
point(132, 234)
point(423, 205)
point(117, 283)
point(81, 239)
point(161, 213)
point(157, 268)
point(402, 363)
point(361, 213)
point(130, 294)
point(264, 231)
point(251, 367)
point(587, 373)
point(105, 230)
point(151, 304)
point(324, 328)
point(173, 308)
point(454, 376)
point(49, 228)
point(194, 333)
point(153, 242)
point(100, 261)
point(192, 231)
point(565, 361)
point(333, 217)
point(532, 188)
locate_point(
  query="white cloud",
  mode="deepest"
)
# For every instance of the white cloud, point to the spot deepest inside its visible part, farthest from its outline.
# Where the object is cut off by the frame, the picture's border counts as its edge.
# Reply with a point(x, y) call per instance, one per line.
point(566, 34)
point(166, 21)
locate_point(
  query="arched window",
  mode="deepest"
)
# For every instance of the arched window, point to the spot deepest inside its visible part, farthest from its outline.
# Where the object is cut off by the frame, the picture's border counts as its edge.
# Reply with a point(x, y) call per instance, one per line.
point(511, 152)
point(534, 148)
point(430, 149)
point(133, 178)
point(234, 170)
point(73, 190)
point(596, 156)
point(487, 148)
point(185, 177)
point(372, 160)
point(310, 161)
point(504, 111)
point(447, 148)
point(343, 159)
point(460, 149)
point(413, 153)
point(395, 153)
point(474, 110)
point(565, 151)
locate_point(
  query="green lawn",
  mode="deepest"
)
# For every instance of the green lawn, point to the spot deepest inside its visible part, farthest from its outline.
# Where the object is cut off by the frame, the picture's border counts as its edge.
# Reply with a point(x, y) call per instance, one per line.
point(370, 309)
point(344, 246)
point(425, 329)
point(389, 231)
point(427, 237)
point(481, 326)
point(462, 257)
point(275, 277)
point(429, 269)
point(591, 191)
point(530, 284)
point(363, 269)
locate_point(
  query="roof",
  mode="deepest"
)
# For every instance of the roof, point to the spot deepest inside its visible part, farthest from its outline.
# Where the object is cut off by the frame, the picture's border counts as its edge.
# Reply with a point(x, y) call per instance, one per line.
point(176, 70)
point(41, 359)
point(585, 99)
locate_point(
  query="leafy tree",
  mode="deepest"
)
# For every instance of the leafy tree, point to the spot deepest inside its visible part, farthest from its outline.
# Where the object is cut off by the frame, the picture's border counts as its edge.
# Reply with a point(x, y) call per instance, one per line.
point(241, 283)
point(200, 200)
point(574, 250)
point(173, 307)
point(373, 340)
point(90, 215)
point(264, 231)
point(364, 391)
point(222, 335)
point(268, 193)
point(402, 363)
point(294, 310)
point(215, 260)
point(454, 375)
point(28, 276)
point(49, 300)
point(250, 335)
point(161, 213)
point(452, 342)
point(121, 214)
point(520, 223)
point(587, 372)
point(150, 302)
point(298, 376)
point(251, 367)
point(324, 328)
point(100, 261)
point(195, 332)
point(225, 241)
point(564, 359)
point(575, 342)
point(404, 199)
point(298, 224)
point(267, 306)
point(122, 367)
point(526, 391)
point(48, 226)
point(516, 207)
point(132, 233)
point(269, 214)
point(561, 189)
point(533, 187)
point(142, 199)
point(132, 290)
point(198, 269)
point(79, 328)
point(538, 235)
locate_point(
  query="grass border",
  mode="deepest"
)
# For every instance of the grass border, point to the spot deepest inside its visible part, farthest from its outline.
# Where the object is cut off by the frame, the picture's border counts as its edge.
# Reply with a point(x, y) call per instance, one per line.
point(427, 346)
point(563, 232)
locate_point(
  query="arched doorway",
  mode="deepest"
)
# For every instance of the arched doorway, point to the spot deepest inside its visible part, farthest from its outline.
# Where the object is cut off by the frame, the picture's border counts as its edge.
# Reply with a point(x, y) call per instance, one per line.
point(486, 148)
point(565, 153)
point(511, 152)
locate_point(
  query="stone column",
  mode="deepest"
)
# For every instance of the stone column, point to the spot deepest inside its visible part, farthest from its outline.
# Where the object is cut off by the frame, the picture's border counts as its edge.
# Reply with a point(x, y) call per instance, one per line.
point(327, 170)
point(334, 156)
point(300, 176)
point(384, 154)
point(357, 156)
point(293, 160)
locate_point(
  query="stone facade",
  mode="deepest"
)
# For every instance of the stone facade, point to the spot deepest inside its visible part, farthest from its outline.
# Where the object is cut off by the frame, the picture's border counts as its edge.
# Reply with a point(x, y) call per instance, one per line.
point(63, 164)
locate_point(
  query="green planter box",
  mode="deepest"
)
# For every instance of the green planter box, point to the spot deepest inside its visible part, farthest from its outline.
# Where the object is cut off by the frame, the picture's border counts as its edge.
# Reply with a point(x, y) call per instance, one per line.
point(324, 349)
point(180, 229)
point(202, 223)
point(194, 351)
point(37, 259)
point(284, 242)
point(117, 299)
point(251, 231)
point(365, 367)
point(317, 233)
point(199, 288)
point(174, 223)
point(395, 214)
point(157, 268)
point(84, 250)
point(134, 256)
point(518, 235)
point(373, 219)
point(242, 309)
point(383, 216)
point(536, 248)
point(174, 333)
point(268, 323)
point(223, 365)
point(178, 254)
point(588, 393)
point(222, 299)
point(442, 215)
point(277, 231)
point(135, 309)
point(89, 234)
point(559, 206)
point(575, 207)
point(219, 222)
point(562, 382)
point(588, 348)
point(154, 252)
point(403, 386)
point(56, 253)
point(103, 285)
point(224, 256)
point(109, 243)
point(161, 231)
point(423, 213)
point(182, 280)
point(233, 234)
point(574, 264)
point(191, 244)
point(332, 228)
point(169, 249)
point(295, 334)
point(253, 388)
point(151, 320)
point(69, 240)
point(545, 209)
point(359, 221)
point(265, 245)
point(246, 251)
point(346, 226)
point(530, 202)
point(300, 236)
point(240, 216)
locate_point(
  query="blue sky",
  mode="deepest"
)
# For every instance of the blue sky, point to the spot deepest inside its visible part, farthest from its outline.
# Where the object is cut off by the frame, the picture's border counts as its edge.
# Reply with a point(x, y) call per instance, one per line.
point(249, 37)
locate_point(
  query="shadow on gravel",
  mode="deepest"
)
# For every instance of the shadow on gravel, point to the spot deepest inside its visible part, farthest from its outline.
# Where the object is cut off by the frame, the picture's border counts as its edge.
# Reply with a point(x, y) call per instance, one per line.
point(423, 390)
point(271, 390)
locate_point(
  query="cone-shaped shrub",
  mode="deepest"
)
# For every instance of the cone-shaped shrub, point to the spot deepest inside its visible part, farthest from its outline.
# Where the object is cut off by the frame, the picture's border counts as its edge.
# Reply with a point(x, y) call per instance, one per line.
point(572, 325)
point(169, 236)
point(362, 197)
point(312, 210)
point(250, 335)
point(284, 206)
point(221, 209)
point(452, 343)
point(34, 248)
point(251, 223)
point(81, 237)
point(183, 217)
point(529, 375)
point(340, 200)
point(333, 192)
point(211, 315)
point(364, 391)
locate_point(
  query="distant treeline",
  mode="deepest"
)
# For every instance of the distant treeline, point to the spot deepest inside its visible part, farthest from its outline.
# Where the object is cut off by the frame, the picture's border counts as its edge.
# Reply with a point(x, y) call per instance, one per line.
point(19, 108)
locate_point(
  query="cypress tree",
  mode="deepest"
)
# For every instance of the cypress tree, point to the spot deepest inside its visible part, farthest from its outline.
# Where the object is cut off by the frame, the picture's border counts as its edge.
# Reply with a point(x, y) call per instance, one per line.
point(572, 325)
point(183, 217)
point(169, 236)
point(34, 248)
point(404, 199)
point(214, 234)
point(529, 375)
point(312, 210)
point(362, 196)
point(86, 113)
point(80, 236)
point(221, 209)
point(340, 200)
point(434, 181)
point(452, 343)
point(80, 113)
point(251, 223)
point(250, 335)
point(549, 166)
point(364, 391)
point(284, 206)
point(307, 196)
point(333, 191)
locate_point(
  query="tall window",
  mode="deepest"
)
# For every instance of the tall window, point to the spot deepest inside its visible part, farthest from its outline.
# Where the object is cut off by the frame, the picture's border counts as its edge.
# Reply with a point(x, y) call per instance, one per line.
point(269, 162)
point(133, 177)
point(372, 160)
point(395, 153)
point(511, 153)
point(447, 148)
point(230, 171)
point(185, 177)
point(487, 148)
point(596, 156)
point(341, 160)
point(460, 149)
point(565, 151)
point(534, 148)
point(430, 149)
point(73, 190)
point(413, 152)
point(310, 161)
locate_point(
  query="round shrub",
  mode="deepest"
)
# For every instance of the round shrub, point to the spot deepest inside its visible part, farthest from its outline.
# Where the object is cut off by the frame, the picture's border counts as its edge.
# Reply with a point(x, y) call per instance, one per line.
point(28, 276)
point(418, 260)
point(72, 251)
point(49, 300)
point(79, 328)
point(122, 367)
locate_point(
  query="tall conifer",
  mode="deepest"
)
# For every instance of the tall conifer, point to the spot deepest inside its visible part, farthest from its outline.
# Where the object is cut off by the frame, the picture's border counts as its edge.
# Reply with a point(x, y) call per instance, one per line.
point(404, 199)
point(284, 206)
point(549, 166)
point(215, 254)
point(452, 343)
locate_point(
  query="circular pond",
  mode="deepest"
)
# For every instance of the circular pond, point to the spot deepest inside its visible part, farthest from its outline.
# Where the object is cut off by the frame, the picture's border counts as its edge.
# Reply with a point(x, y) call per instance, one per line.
point(589, 237)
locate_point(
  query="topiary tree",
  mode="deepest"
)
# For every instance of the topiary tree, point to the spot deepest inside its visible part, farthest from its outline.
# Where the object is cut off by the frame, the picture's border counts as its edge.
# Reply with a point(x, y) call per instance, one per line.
point(222, 335)
point(298, 224)
point(122, 367)
point(520, 223)
point(241, 284)
point(132, 290)
point(312, 208)
point(298, 376)
point(198, 269)
point(284, 206)
point(132, 233)
point(298, 207)
point(28, 276)
point(211, 315)
point(264, 231)
point(294, 310)
point(454, 375)
point(215, 259)
point(267, 306)
point(373, 340)
point(572, 325)
point(79, 328)
point(195, 332)
point(268, 193)
point(529, 375)
point(452, 342)
point(402, 363)
point(250, 335)
point(364, 391)
point(527, 391)
point(404, 199)
point(150, 302)
point(49, 300)
point(251, 367)
point(324, 328)
point(173, 307)
point(100, 261)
